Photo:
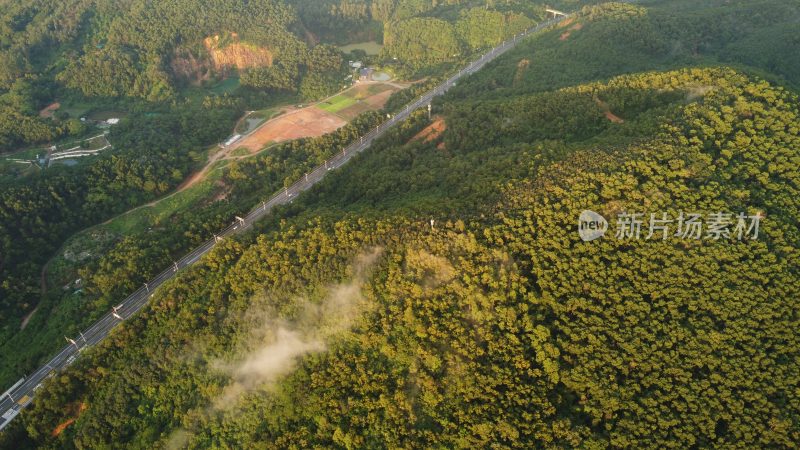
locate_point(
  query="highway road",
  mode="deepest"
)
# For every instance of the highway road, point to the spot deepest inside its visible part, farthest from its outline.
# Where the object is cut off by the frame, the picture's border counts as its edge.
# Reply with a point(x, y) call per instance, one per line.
point(22, 393)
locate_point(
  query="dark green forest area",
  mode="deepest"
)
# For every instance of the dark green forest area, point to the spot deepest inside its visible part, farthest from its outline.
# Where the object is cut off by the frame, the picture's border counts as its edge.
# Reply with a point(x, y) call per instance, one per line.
point(347, 320)
point(97, 50)
point(35, 217)
point(118, 56)
point(497, 326)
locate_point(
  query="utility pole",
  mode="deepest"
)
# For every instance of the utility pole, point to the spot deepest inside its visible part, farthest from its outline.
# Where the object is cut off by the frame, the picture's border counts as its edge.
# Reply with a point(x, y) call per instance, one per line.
point(72, 341)
point(115, 313)
point(429, 111)
point(240, 220)
point(175, 266)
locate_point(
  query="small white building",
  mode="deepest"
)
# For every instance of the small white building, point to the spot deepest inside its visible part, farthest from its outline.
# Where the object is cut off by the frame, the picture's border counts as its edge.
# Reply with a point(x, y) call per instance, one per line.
point(232, 140)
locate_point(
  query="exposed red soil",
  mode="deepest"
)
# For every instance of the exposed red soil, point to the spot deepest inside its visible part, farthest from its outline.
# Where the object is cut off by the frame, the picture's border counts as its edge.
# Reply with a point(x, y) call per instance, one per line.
point(568, 33)
point(607, 111)
point(613, 117)
point(313, 121)
point(352, 111)
point(522, 66)
point(301, 123)
point(49, 110)
point(378, 100)
point(566, 23)
point(432, 131)
point(63, 426)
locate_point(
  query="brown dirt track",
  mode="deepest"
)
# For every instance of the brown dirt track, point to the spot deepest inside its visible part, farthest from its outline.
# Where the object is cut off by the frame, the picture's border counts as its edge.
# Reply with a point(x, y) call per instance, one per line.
point(301, 123)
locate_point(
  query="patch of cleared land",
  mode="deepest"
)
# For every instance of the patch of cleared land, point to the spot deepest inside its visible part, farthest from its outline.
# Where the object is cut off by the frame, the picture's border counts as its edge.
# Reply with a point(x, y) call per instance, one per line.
point(607, 111)
point(226, 86)
point(522, 67)
point(322, 118)
point(370, 47)
point(49, 110)
point(281, 124)
point(307, 122)
point(565, 35)
point(432, 131)
point(105, 115)
point(336, 103)
point(75, 411)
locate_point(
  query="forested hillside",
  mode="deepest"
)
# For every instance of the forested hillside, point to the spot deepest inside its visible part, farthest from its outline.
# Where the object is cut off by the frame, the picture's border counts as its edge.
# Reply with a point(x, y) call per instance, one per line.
point(139, 50)
point(37, 216)
point(497, 325)
point(625, 38)
point(156, 62)
point(435, 292)
point(355, 322)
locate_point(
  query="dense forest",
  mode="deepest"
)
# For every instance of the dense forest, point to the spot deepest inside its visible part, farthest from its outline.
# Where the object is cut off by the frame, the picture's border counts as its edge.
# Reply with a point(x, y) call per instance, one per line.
point(121, 56)
point(90, 50)
point(36, 217)
point(435, 292)
point(497, 325)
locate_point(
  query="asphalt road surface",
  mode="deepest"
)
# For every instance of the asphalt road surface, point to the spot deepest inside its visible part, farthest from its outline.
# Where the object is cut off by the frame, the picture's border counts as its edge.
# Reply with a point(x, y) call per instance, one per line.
point(21, 395)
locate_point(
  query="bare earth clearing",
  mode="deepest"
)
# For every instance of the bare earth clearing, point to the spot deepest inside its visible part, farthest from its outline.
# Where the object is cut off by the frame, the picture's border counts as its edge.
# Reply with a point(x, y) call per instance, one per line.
point(296, 124)
point(313, 121)
point(432, 131)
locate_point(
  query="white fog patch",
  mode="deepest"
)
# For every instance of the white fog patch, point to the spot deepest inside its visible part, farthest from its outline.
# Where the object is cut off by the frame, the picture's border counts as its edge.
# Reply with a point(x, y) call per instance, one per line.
point(277, 345)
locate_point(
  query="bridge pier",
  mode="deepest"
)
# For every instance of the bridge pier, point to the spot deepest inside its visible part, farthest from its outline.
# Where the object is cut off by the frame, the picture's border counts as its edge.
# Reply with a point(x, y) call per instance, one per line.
point(553, 12)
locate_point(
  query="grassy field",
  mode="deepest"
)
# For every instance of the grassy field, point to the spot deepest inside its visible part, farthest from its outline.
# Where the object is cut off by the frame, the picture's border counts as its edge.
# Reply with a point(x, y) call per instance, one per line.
point(29, 153)
point(364, 91)
point(337, 103)
point(10, 170)
point(145, 217)
point(226, 86)
point(370, 47)
point(106, 114)
point(241, 151)
point(77, 251)
point(75, 109)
